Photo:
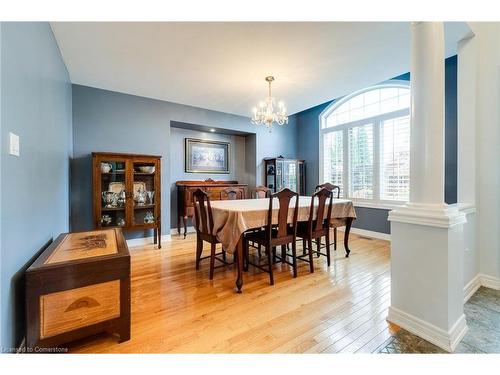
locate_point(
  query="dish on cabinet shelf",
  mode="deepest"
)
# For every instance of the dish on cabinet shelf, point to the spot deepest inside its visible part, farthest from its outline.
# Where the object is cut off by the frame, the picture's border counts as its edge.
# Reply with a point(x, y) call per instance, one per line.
point(146, 169)
point(117, 187)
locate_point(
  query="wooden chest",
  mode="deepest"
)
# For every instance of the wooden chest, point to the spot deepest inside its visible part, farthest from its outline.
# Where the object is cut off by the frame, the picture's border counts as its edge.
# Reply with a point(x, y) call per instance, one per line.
point(185, 190)
point(79, 286)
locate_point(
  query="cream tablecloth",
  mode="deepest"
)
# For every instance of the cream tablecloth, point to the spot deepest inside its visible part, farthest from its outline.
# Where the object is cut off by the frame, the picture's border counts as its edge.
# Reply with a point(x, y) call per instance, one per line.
point(234, 217)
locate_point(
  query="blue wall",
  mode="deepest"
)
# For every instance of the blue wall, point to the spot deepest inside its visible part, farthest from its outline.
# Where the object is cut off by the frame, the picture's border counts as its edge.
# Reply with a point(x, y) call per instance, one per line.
point(307, 123)
point(237, 161)
point(111, 121)
point(35, 104)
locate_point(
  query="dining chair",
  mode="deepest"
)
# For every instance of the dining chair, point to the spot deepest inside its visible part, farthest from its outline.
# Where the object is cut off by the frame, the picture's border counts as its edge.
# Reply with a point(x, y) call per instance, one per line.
point(317, 226)
point(332, 188)
point(204, 225)
point(231, 193)
point(261, 192)
point(272, 236)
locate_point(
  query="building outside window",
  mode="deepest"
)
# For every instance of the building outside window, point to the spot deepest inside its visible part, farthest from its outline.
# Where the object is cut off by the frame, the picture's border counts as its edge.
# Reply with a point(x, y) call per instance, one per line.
point(365, 144)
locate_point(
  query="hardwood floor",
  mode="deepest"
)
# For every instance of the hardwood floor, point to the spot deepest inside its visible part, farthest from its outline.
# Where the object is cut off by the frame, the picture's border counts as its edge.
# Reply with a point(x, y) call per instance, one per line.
point(176, 309)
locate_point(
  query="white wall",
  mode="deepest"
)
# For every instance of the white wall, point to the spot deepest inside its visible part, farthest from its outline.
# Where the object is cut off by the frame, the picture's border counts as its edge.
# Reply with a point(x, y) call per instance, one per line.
point(487, 155)
point(466, 171)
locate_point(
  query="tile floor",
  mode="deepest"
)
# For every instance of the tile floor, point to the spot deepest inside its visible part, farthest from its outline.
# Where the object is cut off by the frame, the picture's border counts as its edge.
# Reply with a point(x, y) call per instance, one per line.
point(482, 312)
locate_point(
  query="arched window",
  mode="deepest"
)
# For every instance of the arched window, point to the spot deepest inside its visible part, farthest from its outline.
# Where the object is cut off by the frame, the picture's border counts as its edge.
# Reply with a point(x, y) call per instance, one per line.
point(365, 144)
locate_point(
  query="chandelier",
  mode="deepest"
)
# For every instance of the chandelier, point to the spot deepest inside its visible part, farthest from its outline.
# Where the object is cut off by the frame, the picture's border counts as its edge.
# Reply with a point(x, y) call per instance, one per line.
point(265, 114)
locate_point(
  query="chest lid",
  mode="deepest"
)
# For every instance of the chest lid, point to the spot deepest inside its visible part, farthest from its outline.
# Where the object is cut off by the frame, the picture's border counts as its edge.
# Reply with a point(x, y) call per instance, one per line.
point(81, 247)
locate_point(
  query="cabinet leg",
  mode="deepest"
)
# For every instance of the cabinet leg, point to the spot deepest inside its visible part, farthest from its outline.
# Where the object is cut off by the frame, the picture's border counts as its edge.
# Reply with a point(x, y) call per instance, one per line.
point(155, 237)
point(159, 236)
point(179, 218)
point(184, 220)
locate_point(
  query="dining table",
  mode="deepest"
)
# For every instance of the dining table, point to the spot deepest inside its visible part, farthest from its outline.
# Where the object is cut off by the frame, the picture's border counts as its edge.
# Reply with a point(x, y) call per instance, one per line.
point(232, 218)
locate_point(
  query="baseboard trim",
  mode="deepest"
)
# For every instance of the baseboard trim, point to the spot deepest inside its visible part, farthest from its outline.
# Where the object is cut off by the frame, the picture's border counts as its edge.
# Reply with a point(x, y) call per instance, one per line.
point(478, 281)
point(445, 340)
point(174, 232)
point(368, 233)
point(490, 281)
point(146, 240)
point(472, 287)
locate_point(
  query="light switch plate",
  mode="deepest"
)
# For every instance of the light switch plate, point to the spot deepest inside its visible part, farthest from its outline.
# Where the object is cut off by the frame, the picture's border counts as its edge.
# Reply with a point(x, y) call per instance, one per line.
point(14, 144)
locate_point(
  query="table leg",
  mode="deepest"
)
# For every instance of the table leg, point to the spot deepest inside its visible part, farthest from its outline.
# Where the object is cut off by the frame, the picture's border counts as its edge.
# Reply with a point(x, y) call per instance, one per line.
point(239, 257)
point(348, 223)
point(184, 220)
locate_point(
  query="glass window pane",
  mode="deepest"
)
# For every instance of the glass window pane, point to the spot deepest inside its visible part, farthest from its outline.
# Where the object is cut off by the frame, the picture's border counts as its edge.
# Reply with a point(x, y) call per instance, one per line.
point(370, 104)
point(372, 96)
point(395, 159)
point(361, 162)
point(388, 93)
point(357, 101)
point(357, 114)
point(342, 117)
point(333, 159)
point(389, 105)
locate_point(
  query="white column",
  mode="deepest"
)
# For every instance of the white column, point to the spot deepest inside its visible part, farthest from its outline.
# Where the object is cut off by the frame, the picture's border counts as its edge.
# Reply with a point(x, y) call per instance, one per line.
point(427, 113)
point(427, 240)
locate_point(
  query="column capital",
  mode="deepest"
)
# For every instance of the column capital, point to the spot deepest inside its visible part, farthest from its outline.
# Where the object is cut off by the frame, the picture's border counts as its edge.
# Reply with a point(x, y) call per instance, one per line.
point(433, 215)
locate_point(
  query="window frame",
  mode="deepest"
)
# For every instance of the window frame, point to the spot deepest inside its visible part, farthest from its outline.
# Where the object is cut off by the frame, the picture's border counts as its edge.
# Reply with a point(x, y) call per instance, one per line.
point(377, 120)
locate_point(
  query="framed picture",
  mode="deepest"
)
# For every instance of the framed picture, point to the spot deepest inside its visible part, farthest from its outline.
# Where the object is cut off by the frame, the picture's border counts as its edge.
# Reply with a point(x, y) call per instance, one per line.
point(203, 156)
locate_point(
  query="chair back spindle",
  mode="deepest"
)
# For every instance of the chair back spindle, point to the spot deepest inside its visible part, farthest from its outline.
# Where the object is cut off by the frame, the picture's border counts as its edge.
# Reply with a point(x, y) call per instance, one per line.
point(231, 193)
point(203, 212)
point(284, 197)
point(330, 187)
point(320, 222)
point(261, 192)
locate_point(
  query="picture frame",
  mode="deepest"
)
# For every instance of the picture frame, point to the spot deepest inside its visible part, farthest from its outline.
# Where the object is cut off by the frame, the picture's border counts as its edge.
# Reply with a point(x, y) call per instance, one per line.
point(206, 156)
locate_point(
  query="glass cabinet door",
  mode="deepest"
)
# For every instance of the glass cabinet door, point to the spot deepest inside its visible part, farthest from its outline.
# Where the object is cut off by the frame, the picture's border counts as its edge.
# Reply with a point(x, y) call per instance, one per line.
point(144, 210)
point(111, 184)
point(290, 175)
point(271, 176)
point(279, 175)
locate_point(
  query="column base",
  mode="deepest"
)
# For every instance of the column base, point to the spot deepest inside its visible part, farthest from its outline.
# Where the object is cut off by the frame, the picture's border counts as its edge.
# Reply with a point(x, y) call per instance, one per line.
point(446, 340)
point(427, 253)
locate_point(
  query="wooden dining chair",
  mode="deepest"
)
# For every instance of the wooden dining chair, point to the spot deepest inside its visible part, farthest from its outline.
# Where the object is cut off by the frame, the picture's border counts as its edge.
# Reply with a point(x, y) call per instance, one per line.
point(204, 225)
point(333, 188)
point(231, 193)
point(317, 226)
point(261, 192)
point(272, 236)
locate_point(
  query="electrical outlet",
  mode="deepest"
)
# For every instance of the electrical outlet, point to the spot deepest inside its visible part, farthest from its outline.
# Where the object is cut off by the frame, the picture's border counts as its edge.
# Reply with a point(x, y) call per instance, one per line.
point(14, 144)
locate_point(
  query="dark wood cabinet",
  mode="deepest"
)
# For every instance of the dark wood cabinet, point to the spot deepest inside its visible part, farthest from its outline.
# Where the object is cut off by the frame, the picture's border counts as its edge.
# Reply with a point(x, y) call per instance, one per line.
point(127, 192)
point(283, 173)
point(185, 190)
point(77, 287)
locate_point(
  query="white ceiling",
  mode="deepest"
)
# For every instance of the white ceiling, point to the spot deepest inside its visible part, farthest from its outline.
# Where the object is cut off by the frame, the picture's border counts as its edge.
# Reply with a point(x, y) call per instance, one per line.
point(221, 66)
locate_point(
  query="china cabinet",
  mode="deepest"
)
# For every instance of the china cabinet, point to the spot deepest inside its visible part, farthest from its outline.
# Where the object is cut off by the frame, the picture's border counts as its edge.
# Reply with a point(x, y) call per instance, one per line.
point(127, 192)
point(285, 173)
